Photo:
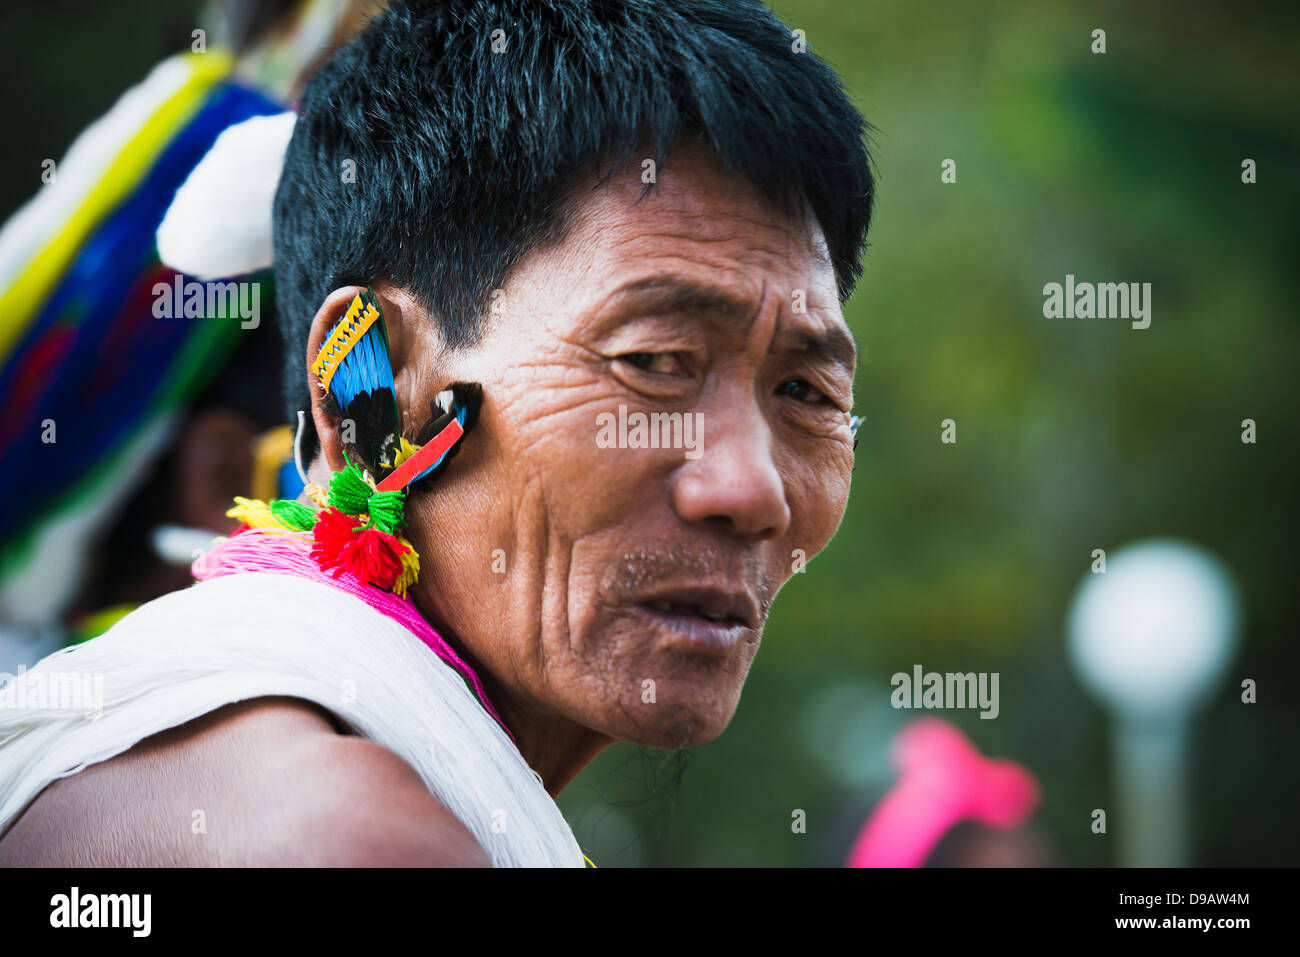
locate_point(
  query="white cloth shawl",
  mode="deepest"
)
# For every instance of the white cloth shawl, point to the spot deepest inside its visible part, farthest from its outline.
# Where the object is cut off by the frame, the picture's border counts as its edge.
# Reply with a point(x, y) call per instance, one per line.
point(261, 633)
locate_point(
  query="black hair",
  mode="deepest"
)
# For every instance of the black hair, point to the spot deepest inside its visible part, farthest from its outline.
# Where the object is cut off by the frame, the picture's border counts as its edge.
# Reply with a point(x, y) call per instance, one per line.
point(434, 151)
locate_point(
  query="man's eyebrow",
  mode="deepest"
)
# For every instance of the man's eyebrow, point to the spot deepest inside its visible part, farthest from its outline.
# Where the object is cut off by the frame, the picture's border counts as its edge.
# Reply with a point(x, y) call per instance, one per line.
point(833, 343)
point(682, 297)
point(664, 294)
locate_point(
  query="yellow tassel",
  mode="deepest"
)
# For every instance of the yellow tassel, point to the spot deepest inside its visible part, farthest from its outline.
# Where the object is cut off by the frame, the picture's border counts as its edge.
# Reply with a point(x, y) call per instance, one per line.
point(254, 513)
point(410, 570)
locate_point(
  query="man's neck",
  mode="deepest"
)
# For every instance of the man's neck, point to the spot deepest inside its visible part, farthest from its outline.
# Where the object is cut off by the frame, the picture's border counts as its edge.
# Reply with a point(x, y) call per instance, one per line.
point(554, 746)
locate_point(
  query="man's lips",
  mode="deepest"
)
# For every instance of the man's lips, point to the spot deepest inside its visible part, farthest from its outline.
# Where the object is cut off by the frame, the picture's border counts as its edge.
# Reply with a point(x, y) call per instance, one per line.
point(712, 603)
point(706, 618)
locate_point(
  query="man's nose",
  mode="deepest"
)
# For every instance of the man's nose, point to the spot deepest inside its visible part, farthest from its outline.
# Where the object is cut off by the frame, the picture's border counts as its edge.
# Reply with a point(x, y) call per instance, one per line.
point(735, 482)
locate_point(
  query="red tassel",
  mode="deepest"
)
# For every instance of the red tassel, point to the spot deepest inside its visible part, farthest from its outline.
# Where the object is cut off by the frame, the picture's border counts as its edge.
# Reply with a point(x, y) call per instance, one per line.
point(373, 556)
point(330, 537)
point(376, 558)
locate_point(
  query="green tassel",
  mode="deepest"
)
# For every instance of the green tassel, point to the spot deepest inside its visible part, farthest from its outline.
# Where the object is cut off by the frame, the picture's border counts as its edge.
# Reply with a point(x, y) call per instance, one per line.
point(349, 492)
point(293, 514)
point(352, 495)
point(386, 510)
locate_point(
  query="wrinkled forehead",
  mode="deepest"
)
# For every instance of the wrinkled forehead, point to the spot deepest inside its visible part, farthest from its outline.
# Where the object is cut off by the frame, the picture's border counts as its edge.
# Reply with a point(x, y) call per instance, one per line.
point(692, 196)
point(693, 221)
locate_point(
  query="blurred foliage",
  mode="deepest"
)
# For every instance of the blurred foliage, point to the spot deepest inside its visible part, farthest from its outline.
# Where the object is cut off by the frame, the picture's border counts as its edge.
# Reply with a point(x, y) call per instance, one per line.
point(1072, 434)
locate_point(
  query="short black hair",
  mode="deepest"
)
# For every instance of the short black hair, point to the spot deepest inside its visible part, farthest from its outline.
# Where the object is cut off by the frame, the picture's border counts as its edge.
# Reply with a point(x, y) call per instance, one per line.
point(464, 141)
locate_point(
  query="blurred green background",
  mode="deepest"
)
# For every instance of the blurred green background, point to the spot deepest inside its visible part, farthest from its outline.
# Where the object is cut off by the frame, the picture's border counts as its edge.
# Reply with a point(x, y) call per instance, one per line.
point(1072, 434)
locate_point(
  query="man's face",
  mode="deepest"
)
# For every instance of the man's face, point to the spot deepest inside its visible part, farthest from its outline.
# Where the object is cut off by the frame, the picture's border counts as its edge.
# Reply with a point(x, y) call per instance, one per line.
point(625, 588)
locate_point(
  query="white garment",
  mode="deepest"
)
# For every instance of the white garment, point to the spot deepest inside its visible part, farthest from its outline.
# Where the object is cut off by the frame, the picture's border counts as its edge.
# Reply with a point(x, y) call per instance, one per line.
point(263, 633)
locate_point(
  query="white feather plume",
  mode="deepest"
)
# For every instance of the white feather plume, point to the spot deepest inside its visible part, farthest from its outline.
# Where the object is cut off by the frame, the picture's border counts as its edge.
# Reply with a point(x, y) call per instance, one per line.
point(219, 223)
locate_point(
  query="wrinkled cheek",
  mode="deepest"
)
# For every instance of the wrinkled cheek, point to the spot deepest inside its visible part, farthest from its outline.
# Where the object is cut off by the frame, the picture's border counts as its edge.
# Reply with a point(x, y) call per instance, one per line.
point(548, 518)
point(817, 506)
point(589, 488)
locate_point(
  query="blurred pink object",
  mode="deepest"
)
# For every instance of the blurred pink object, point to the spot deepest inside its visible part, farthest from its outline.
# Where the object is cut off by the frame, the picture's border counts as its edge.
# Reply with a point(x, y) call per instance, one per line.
point(944, 780)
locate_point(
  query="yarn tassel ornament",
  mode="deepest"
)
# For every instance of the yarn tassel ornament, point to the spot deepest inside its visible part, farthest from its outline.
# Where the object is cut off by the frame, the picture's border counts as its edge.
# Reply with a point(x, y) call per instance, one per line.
point(355, 527)
point(339, 546)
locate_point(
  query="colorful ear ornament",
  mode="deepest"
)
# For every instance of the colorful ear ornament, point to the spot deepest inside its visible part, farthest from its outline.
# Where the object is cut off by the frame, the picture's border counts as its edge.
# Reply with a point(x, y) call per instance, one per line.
point(454, 413)
point(356, 526)
point(354, 370)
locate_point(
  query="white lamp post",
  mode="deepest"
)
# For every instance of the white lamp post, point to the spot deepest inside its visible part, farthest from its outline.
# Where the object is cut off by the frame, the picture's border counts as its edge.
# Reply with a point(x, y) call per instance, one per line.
point(1151, 637)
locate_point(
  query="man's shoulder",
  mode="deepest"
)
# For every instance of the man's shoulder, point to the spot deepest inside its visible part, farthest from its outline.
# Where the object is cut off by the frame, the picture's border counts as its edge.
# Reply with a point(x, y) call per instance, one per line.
point(264, 782)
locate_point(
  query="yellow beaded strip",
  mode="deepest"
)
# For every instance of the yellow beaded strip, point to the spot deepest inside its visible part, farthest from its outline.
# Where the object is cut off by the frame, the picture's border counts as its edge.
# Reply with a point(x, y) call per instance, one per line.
point(354, 324)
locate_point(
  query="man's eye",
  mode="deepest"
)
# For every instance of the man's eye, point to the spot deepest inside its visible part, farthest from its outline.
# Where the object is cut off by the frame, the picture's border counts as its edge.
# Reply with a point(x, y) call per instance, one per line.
point(661, 363)
point(800, 391)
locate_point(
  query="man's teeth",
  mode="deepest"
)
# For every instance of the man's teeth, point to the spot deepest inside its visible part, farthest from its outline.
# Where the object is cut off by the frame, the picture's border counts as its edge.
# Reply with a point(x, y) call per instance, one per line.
point(668, 608)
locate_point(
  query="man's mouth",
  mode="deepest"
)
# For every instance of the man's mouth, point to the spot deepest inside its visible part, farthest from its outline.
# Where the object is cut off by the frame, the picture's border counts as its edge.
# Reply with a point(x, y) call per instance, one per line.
point(705, 619)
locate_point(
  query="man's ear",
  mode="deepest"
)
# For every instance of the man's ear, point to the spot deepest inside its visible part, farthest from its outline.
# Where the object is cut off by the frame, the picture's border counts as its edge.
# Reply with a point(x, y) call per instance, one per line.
point(327, 427)
point(410, 341)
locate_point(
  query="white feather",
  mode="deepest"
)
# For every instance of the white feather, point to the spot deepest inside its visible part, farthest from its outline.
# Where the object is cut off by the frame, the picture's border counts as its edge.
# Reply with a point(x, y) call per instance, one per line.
point(219, 223)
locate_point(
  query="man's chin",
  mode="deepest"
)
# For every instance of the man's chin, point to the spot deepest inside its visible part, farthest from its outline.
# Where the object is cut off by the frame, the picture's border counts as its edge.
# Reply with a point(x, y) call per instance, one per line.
point(681, 717)
point(673, 736)
point(672, 693)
